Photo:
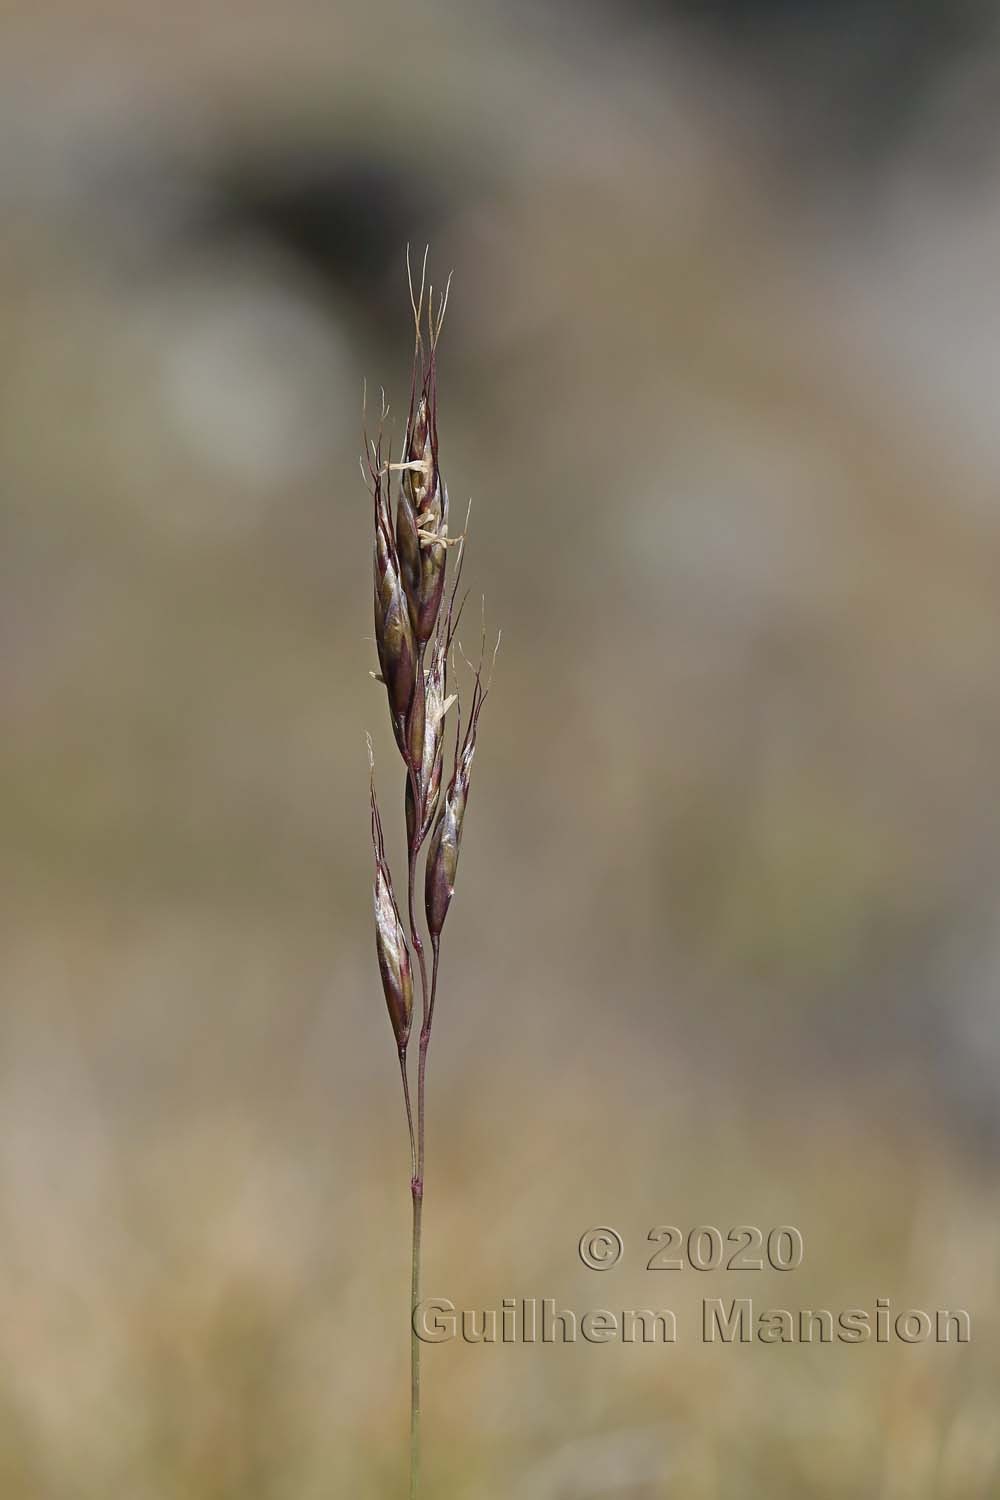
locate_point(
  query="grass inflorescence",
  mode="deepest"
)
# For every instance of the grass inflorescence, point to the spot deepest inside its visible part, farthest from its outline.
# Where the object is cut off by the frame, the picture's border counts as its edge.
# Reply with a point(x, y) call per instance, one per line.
point(416, 616)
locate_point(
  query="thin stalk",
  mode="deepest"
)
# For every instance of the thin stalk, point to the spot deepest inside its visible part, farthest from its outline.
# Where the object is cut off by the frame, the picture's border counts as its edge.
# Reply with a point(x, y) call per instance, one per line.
point(435, 961)
point(416, 1145)
point(409, 1111)
point(425, 1037)
point(415, 938)
point(418, 1203)
point(417, 1199)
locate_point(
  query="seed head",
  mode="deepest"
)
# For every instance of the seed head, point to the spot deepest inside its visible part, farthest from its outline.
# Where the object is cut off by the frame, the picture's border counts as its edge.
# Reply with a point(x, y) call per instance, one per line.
point(408, 543)
point(425, 602)
point(422, 507)
point(438, 702)
point(390, 940)
point(446, 839)
point(393, 631)
point(416, 719)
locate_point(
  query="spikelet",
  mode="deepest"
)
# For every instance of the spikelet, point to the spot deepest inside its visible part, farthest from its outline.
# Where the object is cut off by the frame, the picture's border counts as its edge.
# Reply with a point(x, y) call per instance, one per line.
point(390, 939)
point(438, 703)
point(422, 507)
point(446, 838)
point(393, 631)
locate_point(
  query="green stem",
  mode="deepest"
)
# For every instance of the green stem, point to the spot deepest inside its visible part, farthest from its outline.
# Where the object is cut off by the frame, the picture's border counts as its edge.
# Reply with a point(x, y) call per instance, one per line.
point(418, 1202)
point(417, 1198)
point(418, 1206)
point(409, 1112)
point(416, 1145)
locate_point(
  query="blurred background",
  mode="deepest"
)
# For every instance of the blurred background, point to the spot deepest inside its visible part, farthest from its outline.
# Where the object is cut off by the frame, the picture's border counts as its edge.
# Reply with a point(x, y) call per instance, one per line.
point(720, 374)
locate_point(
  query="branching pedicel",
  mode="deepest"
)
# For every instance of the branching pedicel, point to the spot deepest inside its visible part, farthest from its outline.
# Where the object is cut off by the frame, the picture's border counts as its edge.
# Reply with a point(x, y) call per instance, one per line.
point(415, 631)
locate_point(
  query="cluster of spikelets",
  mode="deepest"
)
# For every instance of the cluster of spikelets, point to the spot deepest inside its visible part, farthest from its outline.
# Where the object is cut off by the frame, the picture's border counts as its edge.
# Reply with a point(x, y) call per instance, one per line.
point(415, 624)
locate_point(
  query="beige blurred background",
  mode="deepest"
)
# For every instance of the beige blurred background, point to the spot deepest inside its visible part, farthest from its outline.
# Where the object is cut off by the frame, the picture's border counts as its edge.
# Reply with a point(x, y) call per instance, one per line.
point(720, 375)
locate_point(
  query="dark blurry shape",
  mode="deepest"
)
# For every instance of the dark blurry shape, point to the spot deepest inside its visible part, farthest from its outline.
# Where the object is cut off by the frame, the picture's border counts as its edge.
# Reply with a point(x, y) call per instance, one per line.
point(855, 76)
point(346, 217)
point(753, 18)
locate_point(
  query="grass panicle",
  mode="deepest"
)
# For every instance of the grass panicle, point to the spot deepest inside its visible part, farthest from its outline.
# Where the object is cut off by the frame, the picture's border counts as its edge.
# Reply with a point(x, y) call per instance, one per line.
point(416, 617)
